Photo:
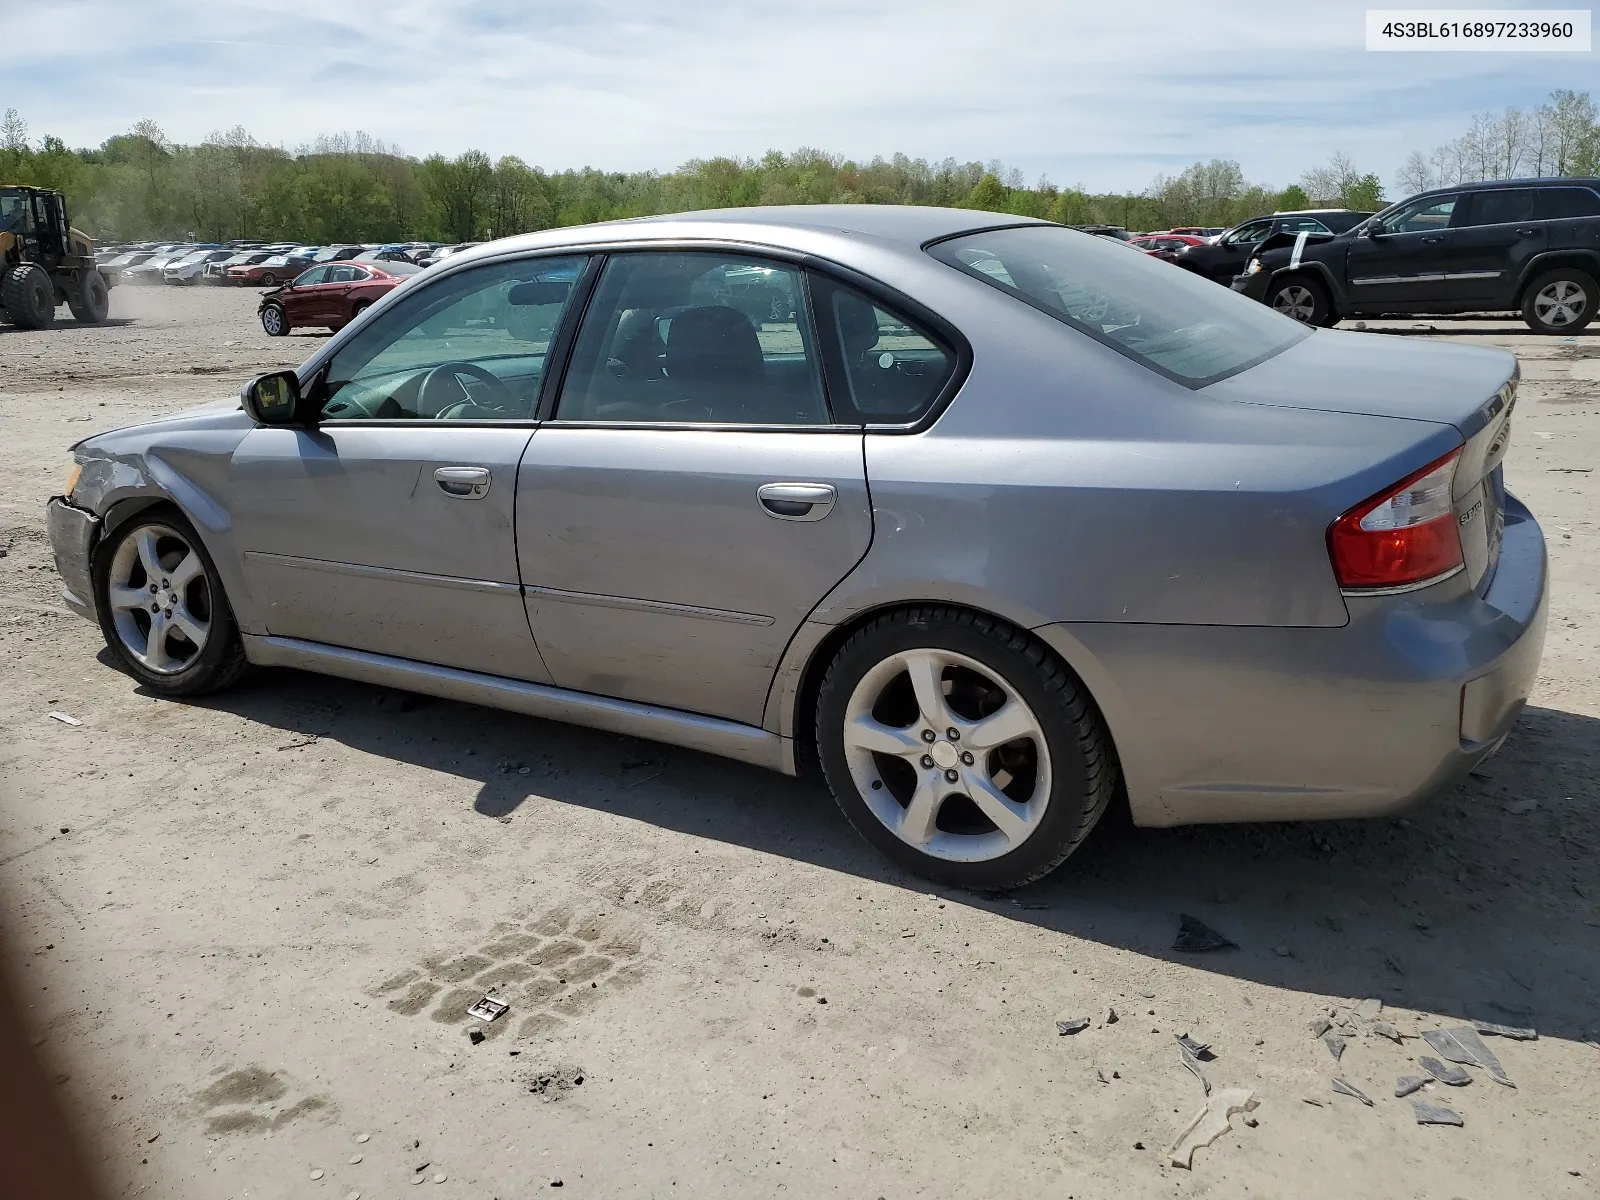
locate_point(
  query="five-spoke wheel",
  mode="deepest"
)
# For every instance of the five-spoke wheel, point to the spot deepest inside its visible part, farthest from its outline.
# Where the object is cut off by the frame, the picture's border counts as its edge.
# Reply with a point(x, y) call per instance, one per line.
point(961, 747)
point(162, 608)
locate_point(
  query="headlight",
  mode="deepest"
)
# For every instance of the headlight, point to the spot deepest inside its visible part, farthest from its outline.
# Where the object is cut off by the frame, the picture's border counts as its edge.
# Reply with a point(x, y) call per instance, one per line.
point(1252, 266)
point(73, 472)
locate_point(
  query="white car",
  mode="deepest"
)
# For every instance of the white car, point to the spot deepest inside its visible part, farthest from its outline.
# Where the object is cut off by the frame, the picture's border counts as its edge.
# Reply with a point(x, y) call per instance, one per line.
point(189, 268)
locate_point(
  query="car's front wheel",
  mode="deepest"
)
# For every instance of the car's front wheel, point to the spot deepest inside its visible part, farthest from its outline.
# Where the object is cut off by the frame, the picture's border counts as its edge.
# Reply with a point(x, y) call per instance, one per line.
point(962, 747)
point(1303, 298)
point(274, 320)
point(162, 608)
point(1560, 301)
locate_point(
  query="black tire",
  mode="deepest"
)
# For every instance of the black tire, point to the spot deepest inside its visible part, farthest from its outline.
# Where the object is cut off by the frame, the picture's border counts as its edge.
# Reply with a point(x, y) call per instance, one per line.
point(221, 660)
point(91, 301)
point(268, 279)
point(1082, 764)
point(275, 320)
point(1560, 301)
point(29, 296)
point(361, 306)
point(1302, 297)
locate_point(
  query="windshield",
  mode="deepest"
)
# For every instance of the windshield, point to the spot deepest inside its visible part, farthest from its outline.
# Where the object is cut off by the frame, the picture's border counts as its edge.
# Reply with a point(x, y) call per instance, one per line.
point(1170, 320)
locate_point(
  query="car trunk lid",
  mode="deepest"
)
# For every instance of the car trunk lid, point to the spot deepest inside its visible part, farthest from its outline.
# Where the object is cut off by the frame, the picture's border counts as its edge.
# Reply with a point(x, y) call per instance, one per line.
point(1470, 388)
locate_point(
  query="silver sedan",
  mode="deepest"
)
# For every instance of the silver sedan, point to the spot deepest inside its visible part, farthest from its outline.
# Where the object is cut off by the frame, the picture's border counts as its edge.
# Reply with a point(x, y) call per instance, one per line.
point(989, 519)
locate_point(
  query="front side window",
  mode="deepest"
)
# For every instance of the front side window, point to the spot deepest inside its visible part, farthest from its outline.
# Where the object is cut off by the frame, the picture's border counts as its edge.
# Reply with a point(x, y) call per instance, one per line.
point(695, 337)
point(1502, 206)
point(1248, 235)
point(309, 278)
point(1430, 215)
point(468, 347)
point(888, 368)
point(1176, 323)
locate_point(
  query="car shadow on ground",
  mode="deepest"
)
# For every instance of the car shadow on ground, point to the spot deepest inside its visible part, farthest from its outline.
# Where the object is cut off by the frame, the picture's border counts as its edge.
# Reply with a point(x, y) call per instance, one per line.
point(1482, 903)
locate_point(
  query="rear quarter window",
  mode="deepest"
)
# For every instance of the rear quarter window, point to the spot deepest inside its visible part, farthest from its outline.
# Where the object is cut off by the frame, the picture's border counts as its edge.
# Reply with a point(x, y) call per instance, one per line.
point(1563, 202)
point(1174, 322)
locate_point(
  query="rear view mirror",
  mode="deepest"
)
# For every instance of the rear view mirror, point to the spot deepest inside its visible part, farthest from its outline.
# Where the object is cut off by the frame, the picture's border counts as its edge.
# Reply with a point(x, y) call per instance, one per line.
point(272, 399)
point(538, 292)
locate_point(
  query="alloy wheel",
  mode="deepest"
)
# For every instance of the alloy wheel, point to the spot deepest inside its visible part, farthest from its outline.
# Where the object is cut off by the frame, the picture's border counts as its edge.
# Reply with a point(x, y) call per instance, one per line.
point(272, 320)
point(160, 599)
point(947, 755)
point(1295, 301)
point(1560, 303)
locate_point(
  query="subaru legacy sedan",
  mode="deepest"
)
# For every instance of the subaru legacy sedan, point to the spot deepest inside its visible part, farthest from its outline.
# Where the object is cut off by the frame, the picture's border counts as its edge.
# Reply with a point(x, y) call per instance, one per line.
point(988, 518)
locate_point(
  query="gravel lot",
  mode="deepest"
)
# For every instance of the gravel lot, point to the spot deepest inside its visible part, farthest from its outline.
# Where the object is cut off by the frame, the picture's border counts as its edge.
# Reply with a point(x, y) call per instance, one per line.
point(248, 927)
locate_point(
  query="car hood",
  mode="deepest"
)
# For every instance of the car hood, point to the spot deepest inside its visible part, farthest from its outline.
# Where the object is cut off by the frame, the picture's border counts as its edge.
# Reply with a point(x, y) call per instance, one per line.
point(1379, 375)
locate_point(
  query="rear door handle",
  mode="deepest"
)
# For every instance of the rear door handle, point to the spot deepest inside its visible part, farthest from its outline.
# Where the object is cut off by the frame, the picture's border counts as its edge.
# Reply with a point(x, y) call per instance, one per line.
point(464, 483)
point(1532, 232)
point(797, 501)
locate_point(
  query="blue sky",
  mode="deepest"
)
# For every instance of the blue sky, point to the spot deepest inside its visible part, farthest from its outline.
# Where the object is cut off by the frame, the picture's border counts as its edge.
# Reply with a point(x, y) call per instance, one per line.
point(1101, 94)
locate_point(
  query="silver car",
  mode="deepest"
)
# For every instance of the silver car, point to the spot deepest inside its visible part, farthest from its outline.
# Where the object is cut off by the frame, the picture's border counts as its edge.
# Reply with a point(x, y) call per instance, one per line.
point(991, 519)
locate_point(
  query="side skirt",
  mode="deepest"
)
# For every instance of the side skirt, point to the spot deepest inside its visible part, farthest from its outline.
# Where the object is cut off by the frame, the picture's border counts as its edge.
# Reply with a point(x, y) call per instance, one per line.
point(713, 735)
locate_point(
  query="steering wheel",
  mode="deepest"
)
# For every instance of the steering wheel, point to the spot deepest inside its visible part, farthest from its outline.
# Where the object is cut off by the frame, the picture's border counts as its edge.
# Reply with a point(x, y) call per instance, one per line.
point(437, 396)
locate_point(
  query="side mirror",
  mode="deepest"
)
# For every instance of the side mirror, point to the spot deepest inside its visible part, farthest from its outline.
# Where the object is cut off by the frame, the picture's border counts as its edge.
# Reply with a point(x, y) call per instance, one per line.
point(272, 399)
point(1372, 228)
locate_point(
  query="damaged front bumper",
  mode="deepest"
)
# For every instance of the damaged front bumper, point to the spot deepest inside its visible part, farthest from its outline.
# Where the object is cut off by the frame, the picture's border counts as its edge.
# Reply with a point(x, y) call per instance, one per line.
point(73, 534)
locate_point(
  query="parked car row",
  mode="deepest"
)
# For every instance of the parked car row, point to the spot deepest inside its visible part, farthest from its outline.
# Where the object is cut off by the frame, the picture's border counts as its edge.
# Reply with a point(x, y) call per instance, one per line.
point(252, 264)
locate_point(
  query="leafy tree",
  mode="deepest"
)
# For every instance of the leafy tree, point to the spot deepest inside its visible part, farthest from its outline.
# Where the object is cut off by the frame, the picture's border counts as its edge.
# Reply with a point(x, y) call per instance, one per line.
point(1293, 197)
point(988, 194)
point(1365, 194)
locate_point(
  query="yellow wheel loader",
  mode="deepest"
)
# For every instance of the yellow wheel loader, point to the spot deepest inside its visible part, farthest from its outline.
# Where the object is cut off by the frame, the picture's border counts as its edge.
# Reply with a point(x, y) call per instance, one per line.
point(45, 262)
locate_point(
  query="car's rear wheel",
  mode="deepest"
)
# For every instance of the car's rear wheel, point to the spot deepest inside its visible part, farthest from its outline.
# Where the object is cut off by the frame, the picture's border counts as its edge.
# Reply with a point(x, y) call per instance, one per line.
point(274, 320)
point(162, 608)
point(269, 280)
point(1560, 301)
point(1303, 298)
point(961, 747)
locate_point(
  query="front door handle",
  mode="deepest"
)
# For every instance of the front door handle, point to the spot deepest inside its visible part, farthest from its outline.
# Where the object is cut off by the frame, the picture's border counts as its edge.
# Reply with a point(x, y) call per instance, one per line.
point(797, 501)
point(1532, 232)
point(464, 483)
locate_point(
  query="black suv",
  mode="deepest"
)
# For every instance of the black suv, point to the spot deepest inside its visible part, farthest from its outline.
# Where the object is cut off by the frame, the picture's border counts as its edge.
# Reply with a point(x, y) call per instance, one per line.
point(1225, 257)
point(1528, 245)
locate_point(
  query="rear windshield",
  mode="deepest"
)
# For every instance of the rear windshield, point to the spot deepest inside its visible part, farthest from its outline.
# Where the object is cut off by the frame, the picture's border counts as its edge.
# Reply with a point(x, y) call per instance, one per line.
point(1171, 320)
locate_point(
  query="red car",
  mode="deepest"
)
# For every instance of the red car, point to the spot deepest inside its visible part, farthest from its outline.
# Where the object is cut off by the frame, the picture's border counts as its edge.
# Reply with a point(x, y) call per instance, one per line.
point(1165, 246)
point(332, 295)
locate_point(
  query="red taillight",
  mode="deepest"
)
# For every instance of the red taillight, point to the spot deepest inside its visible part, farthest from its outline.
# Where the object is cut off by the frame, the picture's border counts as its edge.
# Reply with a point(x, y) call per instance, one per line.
point(1404, 535)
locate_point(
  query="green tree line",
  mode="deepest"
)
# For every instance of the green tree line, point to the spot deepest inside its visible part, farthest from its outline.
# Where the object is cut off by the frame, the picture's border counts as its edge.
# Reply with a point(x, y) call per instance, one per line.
point(355, 188)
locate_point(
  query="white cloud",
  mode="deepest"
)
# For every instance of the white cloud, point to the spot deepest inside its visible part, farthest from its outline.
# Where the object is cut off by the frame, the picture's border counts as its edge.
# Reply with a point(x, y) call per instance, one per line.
point(1083, 92)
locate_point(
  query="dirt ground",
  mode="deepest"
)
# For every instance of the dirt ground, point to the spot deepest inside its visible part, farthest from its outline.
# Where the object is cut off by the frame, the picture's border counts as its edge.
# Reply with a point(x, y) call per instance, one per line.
point(248, 927)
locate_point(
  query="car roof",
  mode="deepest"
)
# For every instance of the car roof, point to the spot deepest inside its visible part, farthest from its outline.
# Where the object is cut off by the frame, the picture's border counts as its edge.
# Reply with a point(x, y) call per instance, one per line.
point(804, 228)
point(1492, 185)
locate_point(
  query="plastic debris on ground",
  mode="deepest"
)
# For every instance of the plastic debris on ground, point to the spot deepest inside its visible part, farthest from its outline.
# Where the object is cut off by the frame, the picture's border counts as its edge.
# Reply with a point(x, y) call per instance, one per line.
point(1346, 1088)
point(489, 1008)
point(1194, 1053)
point(1066, 1025)
point(64, 718)
point(1454, 1076)
point(1196, 936)
point(1384, 1029)
point(1335, 1045)
point(1320, 1026)
point(1210, 1123)
point(1463, 1045)
point(1433, 1114)
point(1407, 1084)
point(1518, 1032)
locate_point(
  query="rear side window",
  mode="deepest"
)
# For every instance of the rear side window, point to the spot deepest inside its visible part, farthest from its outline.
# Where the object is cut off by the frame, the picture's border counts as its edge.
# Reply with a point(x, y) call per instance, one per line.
point(1556, 203)
point(887, 367)
point(1503, 206)
point(1302, 225)
point(1174, 322)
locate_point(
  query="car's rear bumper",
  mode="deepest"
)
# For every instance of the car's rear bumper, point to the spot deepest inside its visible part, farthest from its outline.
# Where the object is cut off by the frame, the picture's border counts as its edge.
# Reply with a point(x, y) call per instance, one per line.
point(1226, 723)
point(73, 534)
